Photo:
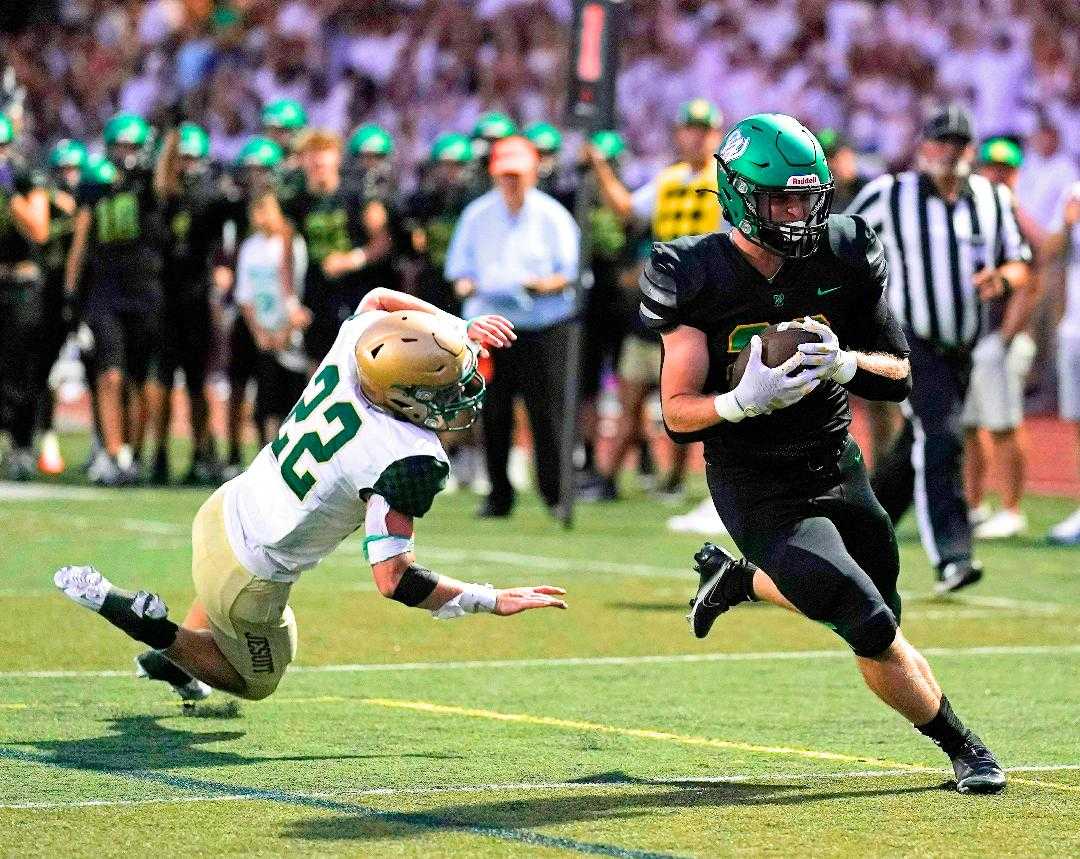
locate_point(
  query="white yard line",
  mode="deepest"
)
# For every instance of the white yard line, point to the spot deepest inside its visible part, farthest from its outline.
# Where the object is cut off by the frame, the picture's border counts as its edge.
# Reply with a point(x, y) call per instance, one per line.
point(10, 491)
point(580, 661)
point(699, 783)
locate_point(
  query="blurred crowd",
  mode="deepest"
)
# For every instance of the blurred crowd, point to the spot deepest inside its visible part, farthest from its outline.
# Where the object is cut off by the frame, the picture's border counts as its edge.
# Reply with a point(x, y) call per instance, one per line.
point(422, 67)
point(210, 187)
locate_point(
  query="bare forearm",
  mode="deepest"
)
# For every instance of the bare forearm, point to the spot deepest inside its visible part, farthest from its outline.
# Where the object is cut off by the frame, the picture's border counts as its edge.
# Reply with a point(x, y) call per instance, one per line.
point(612, 191)
point(1018, 274)
point(31, 215)
point(883, 364)
point(77, 252)
point(690, 412)
point(881, 377)
point(551, 283)
point(1019, 310)
point(1055, 244)
point(391, 300)
point(167, 169)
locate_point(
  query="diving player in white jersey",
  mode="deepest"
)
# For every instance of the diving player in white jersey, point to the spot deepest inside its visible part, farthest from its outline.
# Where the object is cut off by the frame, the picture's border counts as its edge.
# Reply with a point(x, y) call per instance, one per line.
point(359, 448)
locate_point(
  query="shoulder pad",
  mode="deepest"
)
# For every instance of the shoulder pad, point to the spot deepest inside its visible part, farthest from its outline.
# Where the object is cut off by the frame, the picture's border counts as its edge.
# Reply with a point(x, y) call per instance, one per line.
point(410, 485)
point(854, 242)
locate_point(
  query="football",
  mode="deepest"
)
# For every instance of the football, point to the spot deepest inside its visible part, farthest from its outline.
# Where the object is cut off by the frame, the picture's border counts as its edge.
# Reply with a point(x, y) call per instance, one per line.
point(776, 347)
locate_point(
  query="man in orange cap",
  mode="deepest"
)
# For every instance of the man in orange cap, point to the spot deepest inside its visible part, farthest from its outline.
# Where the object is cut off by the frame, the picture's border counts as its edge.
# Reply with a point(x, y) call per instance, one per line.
point(516, 249)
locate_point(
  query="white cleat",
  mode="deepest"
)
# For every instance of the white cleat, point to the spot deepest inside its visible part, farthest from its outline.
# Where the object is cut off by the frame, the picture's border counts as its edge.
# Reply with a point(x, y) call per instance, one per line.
point(1002, 525)
point(703, 519)
point(83, 585)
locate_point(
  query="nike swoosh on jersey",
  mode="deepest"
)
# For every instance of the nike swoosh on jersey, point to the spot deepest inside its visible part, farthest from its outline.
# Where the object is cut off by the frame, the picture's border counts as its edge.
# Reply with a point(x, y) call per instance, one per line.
point(821, 291)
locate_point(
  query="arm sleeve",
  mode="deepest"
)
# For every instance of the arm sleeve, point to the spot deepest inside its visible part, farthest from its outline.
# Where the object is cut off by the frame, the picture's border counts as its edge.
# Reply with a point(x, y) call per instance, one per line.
point(664, 287)
point(410, 485)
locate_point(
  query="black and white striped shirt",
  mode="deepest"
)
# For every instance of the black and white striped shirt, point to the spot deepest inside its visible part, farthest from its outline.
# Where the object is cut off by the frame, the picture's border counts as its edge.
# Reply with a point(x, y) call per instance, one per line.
point(934, 248)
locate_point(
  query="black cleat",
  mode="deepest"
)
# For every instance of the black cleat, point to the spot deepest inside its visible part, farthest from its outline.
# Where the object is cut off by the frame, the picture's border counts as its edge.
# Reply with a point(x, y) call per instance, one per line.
point(976, 769)
point(722, 586)
point(155, 665)
point(957, 575)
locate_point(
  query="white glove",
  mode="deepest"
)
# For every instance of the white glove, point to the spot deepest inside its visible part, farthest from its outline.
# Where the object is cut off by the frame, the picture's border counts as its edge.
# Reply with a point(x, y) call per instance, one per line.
point(839, 364)
point(762, 390)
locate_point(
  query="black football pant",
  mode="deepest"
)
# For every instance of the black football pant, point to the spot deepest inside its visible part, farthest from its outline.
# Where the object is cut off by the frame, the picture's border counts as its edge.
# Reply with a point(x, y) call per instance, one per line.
point(815, 528)
point(186, 334)
point(924, 464)
point(534, 368)
point(21, 309)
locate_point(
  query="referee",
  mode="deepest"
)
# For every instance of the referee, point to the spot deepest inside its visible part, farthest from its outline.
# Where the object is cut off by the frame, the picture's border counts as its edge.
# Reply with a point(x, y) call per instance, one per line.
point(954, 250)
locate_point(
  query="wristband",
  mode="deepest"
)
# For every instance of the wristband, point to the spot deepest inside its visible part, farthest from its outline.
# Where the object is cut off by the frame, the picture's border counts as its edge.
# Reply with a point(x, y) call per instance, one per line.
point(848, 363)
point(728, 407)
point(359, 257)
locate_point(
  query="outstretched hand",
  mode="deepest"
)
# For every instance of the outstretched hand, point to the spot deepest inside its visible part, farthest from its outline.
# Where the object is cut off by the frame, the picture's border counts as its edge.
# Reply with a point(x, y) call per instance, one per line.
point(514, 600)
point(491, 330)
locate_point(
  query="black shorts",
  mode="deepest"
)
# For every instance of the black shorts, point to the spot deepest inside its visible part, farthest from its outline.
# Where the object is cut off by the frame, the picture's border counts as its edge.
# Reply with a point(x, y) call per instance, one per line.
point(186, 337)
point(816, 529)
point(126, 324)
point(279, 388)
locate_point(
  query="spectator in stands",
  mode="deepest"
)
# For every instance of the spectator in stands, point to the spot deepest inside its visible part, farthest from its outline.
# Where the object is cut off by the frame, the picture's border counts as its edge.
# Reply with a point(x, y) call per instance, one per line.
point(515, 252)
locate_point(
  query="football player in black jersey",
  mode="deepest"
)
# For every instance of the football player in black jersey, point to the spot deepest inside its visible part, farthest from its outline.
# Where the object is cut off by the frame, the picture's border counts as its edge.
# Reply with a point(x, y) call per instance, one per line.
point(785, 476)
point(24, 228)
point(117, 235)
point(195, 207)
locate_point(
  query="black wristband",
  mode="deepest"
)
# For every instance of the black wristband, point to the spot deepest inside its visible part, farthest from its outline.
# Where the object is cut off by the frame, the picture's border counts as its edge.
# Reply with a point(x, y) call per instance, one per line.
point(415, 586)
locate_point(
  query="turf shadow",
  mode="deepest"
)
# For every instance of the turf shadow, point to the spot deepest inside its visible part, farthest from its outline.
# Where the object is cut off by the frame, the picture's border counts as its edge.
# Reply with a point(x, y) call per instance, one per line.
point(142, 743)
point(533, 811)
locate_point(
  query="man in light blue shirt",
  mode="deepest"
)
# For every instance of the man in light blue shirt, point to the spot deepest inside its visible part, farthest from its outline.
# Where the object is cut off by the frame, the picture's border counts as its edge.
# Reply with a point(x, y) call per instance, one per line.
point(514, 252)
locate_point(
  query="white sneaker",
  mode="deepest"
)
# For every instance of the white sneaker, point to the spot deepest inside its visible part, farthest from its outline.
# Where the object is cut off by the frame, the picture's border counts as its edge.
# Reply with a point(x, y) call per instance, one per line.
point(1002, 525)
point(980, 514)
point(1067, 533)
point(703, 519)
point(518, 470)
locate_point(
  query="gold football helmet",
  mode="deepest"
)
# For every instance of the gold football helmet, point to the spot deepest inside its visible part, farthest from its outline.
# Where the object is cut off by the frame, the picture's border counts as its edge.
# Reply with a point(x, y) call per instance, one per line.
point(421, 367)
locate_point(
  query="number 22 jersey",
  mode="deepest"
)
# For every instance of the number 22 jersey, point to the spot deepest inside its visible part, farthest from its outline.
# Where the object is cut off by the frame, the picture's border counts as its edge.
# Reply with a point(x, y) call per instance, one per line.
point(307, 490)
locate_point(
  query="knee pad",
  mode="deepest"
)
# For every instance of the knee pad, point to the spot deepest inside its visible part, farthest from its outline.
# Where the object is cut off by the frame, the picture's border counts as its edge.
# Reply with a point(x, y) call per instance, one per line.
point(872, 632)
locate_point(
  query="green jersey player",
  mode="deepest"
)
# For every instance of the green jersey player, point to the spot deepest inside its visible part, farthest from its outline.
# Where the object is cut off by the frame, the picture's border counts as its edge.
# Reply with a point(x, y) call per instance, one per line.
point(785, 476)
point(359, 449)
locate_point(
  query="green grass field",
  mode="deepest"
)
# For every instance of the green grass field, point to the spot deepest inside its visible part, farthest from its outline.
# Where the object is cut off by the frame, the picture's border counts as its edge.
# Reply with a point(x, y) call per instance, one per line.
point(605, 730)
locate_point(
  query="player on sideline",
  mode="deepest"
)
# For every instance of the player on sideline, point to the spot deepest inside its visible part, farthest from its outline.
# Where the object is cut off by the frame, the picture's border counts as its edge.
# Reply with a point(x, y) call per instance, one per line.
point(359, 448)
point(784, 474)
